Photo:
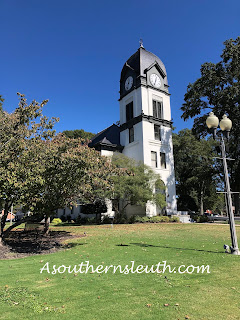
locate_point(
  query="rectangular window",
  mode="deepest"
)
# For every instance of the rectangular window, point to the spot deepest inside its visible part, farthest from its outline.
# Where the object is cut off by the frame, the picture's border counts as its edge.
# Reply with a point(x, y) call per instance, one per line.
point(163, 160)
point(157, 109)
point(129, 111)
point(131, 135)
point(154, 159)
point(157, 132)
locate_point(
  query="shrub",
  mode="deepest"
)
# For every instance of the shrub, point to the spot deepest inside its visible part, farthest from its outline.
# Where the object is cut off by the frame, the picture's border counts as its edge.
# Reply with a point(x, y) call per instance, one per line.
point(132, 219)
point(85, 220)
point(69, 218)
point(92, 220)
point(202, 219)
point(145, 219)
point(107, 220)
point(141, 219)
point(79, 220)
point(174, 219)
point(194, 217)
point(63, 218)
point(158, 219)
point(155, 219)
point(56, 221)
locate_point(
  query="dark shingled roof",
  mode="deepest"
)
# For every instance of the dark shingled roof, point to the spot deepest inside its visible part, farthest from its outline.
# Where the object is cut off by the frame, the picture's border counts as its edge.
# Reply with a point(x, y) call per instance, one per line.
point(142, 59)
point(109, 137)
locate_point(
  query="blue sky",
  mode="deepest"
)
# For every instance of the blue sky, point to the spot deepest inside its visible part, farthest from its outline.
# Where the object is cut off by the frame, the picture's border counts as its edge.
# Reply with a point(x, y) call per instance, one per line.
point(72, 52)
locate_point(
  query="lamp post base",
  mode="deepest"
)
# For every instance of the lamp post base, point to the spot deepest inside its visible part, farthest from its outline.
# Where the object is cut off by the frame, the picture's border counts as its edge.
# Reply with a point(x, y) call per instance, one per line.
point(235, 252)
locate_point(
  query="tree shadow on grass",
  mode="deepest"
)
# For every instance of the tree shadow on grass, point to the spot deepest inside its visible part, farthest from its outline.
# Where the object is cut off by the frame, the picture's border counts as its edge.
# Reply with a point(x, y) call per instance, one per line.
point(72, 244)
point(34, 242)
point(122, 245)
point(176, 248)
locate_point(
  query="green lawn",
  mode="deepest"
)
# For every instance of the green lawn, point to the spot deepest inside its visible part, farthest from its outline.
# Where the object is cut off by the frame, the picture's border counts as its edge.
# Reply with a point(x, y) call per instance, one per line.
point(27, 294)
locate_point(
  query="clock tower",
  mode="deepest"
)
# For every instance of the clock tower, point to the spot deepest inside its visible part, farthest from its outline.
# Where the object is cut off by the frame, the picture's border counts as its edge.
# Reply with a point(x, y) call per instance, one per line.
point(145, 120)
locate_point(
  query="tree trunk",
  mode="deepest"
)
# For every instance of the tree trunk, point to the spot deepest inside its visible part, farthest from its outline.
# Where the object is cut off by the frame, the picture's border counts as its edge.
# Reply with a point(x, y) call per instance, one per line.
point(46, 225)
point(201, 204)
point(3, 219)
point(0, 229)
point(26, 219)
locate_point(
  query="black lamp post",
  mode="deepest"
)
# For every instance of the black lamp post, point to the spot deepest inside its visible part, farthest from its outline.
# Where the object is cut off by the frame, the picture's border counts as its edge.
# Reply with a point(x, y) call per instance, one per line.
point(225, 125)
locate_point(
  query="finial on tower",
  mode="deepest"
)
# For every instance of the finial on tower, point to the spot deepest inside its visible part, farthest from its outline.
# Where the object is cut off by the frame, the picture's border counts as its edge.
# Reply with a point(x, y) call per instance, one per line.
point(141, 43)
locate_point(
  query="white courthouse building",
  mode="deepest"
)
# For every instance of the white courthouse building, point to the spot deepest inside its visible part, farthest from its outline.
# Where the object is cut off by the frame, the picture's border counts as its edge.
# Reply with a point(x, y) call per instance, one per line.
point(144, 132)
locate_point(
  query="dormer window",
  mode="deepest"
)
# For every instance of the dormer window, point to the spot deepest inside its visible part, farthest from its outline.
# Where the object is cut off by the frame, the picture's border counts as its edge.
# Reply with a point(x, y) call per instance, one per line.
point(157, 109)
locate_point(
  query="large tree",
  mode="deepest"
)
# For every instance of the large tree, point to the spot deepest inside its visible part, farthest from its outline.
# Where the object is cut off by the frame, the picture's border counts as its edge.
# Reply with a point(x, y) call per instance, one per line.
point(197, 176)
point(71, 171)
point(20, 163)
point(44, 172)
point(136, 184)
point(218, 90)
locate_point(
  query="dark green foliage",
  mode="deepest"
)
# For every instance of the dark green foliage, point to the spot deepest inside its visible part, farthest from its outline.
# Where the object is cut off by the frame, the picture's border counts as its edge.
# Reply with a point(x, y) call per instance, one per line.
point(156, 219)
point(94, 208)
point(44, 172)
point(85, 220)
point(63, 218)
point(174, 219)
point(97, 208)
point(120, 217)
point(75, 134)
point(107, 220)
point(135, 186)
point(218, 90)
point(200, 219)
point(196, 175)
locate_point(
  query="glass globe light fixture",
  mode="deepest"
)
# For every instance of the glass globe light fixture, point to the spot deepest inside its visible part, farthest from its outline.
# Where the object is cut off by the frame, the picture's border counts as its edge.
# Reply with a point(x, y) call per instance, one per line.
point(225, 123)
point(212, 121)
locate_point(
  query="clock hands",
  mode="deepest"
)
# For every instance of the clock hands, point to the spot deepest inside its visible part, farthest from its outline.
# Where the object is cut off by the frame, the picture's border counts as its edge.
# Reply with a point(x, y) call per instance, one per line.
point(155, 80)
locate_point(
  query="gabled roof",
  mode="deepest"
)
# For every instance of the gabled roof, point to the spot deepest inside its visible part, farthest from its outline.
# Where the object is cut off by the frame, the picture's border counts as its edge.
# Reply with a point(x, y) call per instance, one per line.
point(109, 137)
point(158, 67)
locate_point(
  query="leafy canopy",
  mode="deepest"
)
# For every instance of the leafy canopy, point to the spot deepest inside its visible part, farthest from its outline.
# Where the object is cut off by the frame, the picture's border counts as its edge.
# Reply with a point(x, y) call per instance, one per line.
point(42, 171)
point(218, 90)
point(75, 134)
point(137, 183)
point(196, 175)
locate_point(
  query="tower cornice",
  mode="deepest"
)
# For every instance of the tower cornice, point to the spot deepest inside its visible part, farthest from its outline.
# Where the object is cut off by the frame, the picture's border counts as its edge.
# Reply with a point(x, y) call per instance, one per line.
point(145, 86)
point(144, 117)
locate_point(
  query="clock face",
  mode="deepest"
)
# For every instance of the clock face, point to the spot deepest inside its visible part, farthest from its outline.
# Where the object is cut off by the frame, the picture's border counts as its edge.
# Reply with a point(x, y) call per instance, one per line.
point(128, 83)
point(155, 80)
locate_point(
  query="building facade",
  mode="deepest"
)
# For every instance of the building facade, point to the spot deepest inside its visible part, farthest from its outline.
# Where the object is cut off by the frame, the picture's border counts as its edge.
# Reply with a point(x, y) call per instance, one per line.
point(144, 132)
